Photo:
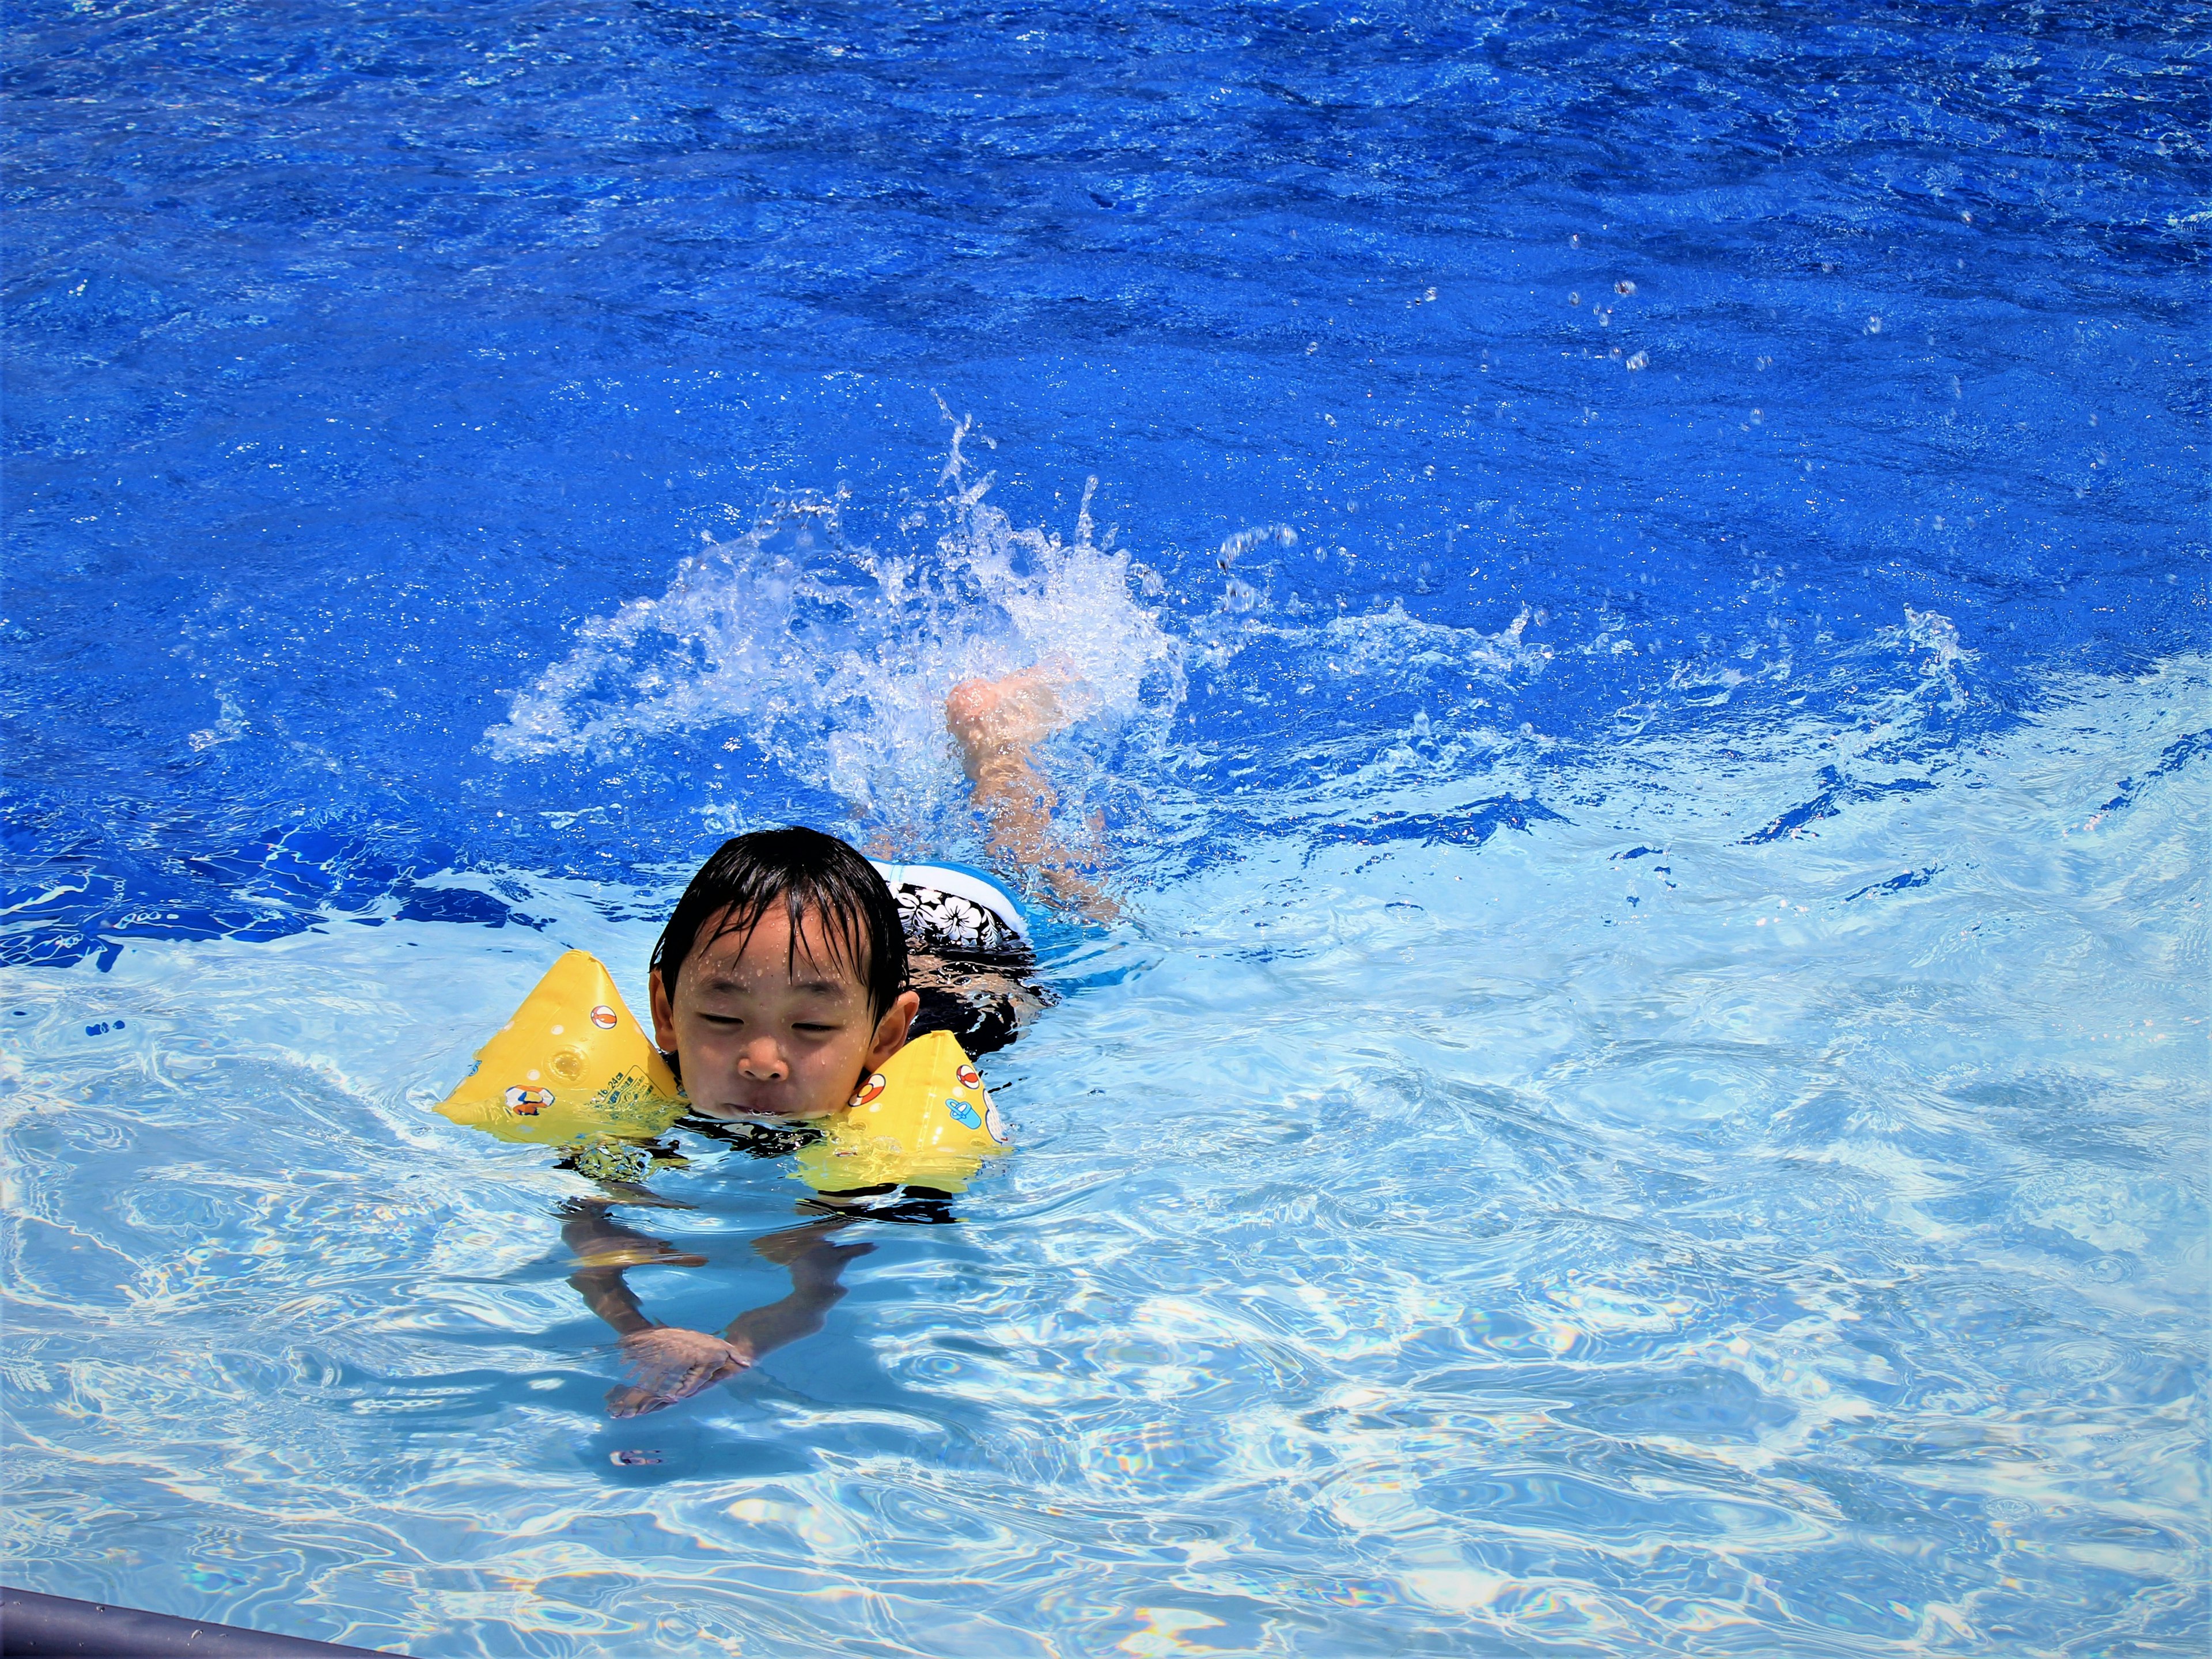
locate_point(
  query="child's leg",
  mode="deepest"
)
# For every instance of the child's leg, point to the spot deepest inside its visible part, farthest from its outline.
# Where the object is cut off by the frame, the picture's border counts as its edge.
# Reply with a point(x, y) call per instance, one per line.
point(998, 724)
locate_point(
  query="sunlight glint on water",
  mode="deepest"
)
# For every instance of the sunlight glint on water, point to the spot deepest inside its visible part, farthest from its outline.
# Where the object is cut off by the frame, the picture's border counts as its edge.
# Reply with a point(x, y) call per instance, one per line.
point(1611, 1234)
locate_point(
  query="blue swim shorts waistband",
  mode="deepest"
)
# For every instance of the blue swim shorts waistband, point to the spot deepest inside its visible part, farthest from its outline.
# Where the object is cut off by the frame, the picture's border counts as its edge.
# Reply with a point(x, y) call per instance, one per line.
point(961, 883)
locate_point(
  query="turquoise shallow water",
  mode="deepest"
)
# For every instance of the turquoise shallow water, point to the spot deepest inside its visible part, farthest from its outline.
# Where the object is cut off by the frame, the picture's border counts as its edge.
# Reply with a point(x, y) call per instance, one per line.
point(1639, 583)
point(1548, 1246)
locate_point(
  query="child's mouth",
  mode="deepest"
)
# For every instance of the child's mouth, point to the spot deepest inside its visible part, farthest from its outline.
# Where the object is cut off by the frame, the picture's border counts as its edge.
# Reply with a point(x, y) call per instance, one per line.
point(733, 1110)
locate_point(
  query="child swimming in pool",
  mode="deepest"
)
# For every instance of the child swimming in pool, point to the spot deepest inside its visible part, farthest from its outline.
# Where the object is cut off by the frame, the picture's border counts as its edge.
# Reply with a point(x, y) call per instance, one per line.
point(792, 968)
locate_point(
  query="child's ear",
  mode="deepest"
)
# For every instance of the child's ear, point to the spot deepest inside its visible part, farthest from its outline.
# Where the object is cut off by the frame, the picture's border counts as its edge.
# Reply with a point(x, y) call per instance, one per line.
point(891, 1029)
point(664, 1017)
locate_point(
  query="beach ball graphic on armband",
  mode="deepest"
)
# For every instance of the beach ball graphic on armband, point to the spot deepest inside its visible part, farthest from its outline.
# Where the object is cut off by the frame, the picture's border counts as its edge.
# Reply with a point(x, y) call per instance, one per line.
point(528, 1102)
point(604, 1018)
point(871, 1089)
point(970, 1077)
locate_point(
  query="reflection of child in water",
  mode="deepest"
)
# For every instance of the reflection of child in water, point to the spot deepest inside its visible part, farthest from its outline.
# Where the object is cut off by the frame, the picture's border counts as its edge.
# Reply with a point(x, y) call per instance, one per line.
point(789, 971)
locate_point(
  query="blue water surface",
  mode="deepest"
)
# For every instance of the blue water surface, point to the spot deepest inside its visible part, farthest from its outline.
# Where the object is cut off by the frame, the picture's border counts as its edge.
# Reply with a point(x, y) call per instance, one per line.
point(1640, 581)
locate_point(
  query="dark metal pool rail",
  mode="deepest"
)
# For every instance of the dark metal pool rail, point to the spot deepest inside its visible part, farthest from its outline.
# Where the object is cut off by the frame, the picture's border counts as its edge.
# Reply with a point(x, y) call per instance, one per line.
point(38, 1626)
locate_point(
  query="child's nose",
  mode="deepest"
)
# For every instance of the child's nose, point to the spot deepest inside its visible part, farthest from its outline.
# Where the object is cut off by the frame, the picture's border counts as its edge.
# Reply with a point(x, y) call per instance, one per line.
point(763, 1062)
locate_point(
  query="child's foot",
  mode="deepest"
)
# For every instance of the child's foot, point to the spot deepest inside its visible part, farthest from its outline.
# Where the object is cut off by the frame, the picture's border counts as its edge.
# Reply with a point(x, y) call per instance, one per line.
point(996, 723)
point(1000, 720)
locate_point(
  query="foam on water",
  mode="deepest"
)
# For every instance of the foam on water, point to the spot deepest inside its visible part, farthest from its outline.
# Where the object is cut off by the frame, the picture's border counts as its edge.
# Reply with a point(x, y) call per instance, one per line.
point(1645, 1223)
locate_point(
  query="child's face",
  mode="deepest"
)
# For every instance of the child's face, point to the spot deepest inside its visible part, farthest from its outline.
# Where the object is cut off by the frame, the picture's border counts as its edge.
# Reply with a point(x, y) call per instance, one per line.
point(762, 1031)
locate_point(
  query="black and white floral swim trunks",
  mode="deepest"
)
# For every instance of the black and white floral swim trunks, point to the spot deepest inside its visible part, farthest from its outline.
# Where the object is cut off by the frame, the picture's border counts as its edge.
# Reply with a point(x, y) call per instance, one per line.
point(971, 960)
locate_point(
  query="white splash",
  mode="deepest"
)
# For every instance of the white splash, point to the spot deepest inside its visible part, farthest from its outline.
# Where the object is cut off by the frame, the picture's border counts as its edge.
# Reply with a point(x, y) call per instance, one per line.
point(1938, 635)
point(1235, 547)
point(833, 657)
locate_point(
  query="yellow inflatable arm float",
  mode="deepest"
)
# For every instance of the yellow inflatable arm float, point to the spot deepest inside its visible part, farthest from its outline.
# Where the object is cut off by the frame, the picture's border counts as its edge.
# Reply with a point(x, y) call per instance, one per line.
point(574, 1069)
point(924, 1121)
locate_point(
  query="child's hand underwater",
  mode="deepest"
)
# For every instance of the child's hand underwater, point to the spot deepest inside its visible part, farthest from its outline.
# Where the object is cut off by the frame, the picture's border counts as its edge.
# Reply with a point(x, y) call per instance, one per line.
point(670, 1363)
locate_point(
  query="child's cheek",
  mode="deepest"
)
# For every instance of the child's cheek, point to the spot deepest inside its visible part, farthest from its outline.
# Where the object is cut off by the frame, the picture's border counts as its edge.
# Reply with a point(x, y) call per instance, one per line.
point(831, 1077)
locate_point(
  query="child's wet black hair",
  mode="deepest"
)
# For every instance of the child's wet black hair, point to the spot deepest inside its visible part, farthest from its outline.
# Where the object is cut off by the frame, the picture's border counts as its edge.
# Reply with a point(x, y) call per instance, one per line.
point(811, 874)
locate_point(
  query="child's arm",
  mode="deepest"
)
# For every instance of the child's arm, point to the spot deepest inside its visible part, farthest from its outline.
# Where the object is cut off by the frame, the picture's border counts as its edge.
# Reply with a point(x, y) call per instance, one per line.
point(668, 1363)
point(604, 1247)
point(815, 1264)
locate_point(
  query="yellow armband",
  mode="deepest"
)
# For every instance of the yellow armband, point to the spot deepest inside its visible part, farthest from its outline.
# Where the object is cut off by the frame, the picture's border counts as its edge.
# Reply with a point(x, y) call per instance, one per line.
point(924, 1121)
point(571, 1068)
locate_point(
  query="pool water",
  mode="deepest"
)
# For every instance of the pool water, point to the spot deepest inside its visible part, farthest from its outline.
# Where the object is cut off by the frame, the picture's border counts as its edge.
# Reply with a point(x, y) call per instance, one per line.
point(1640, 588)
